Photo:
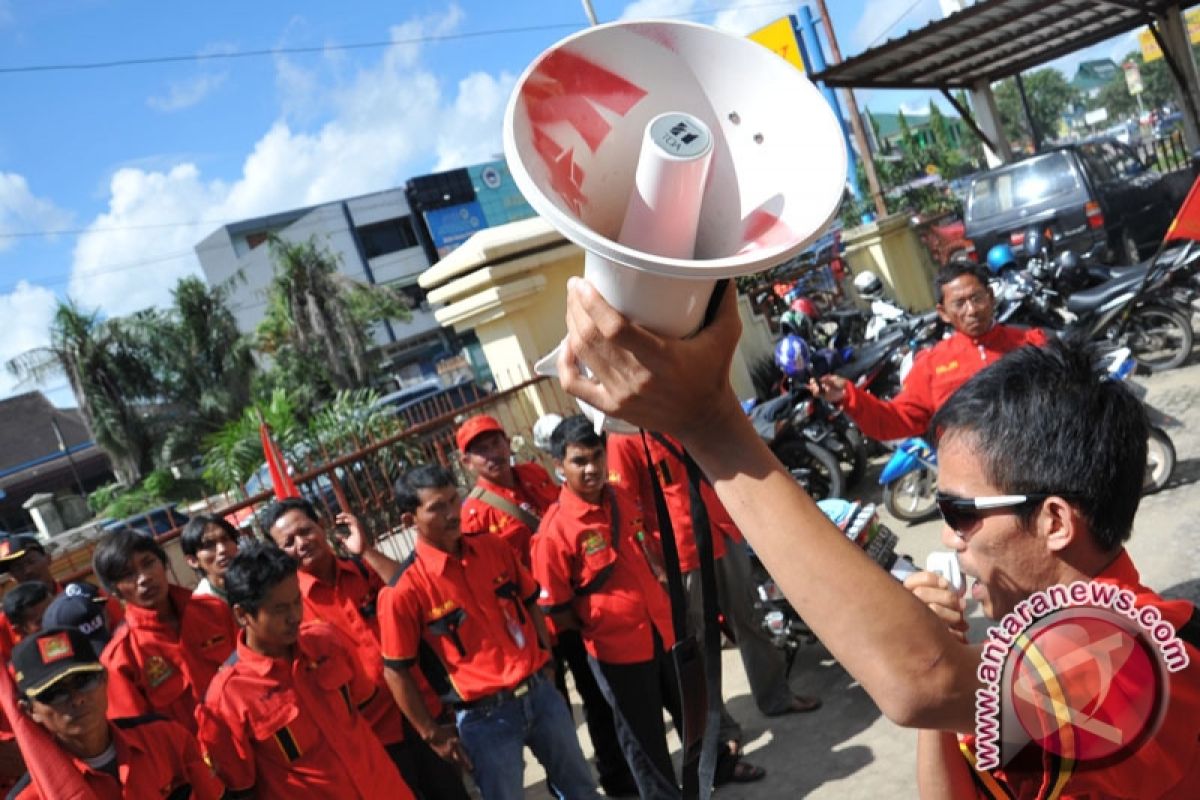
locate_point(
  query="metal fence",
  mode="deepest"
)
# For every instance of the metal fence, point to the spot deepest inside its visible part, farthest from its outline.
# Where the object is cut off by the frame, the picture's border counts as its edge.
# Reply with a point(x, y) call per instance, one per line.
point(361, 479)
point(1165, 154)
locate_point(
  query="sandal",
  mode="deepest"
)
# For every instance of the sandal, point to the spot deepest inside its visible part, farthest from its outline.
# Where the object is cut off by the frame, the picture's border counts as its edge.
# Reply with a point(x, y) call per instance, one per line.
point(734, 770)
point(800, 705)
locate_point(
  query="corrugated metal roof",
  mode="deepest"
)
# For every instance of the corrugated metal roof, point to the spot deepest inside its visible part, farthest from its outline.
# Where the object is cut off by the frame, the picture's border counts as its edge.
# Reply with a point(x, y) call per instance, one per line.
point(990, 40)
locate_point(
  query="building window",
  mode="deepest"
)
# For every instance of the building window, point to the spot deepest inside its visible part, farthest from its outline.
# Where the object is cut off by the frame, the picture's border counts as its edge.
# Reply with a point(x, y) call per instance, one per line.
point(385, 237)
point(253, 240)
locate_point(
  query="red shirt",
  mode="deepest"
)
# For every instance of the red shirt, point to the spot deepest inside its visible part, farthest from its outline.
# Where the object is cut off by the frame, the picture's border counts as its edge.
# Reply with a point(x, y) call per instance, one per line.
point(470, 610)
point(154, 758)
point(935, 375)
point(349, 604)
point(208, 635)
point(627, 470)
point(293, 728)
point(147, 670)
point(1166, 766)
point(603, 574)
point(535, 492)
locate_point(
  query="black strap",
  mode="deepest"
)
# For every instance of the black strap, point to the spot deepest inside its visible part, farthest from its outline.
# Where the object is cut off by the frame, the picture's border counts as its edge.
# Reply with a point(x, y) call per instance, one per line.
point(504, 505)
point(1190, 630)
point(699, 683)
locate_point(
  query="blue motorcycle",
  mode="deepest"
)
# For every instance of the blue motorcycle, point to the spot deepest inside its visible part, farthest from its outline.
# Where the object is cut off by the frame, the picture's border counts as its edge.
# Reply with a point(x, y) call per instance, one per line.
point(909, 480)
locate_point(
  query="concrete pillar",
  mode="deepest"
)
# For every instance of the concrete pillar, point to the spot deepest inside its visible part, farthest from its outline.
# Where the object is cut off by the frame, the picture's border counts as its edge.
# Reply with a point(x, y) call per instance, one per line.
point(45, 515)
point(987, 117)
point(1175, 34)
point(891, 249)
point(509, 285)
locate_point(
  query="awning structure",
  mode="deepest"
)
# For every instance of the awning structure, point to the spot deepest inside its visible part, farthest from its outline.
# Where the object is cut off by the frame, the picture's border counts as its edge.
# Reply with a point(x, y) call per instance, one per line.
point(991, 40)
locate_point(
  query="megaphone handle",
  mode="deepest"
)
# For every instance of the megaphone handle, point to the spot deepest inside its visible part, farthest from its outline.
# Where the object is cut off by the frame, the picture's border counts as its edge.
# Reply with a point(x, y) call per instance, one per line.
point(714, 302)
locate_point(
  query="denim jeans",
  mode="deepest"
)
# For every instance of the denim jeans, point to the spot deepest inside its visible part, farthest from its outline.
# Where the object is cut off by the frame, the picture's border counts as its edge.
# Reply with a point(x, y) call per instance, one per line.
point(495, 737)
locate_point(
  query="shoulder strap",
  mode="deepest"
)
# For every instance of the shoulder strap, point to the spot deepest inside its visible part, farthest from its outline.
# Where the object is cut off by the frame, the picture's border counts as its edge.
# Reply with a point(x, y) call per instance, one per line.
point(528, 518)
point(673, 450)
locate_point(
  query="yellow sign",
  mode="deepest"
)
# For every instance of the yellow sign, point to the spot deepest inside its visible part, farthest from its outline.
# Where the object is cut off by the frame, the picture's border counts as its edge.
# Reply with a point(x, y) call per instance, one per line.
point(1150, 49)
point(780, 38)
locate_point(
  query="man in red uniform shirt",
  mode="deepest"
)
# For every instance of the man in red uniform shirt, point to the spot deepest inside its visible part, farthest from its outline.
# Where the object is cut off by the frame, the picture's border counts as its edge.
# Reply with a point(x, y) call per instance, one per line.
point(1041, 465)
point(508, 500)
point(209, 543)
point(284, 717)
point(473, 603)
point(344, 592)
point(966, 303)
point(150, 669)
point(593, 558)
point(62, 689)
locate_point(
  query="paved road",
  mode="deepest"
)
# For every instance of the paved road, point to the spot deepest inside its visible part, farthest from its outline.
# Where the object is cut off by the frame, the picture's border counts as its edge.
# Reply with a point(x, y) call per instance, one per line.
point(847, 749)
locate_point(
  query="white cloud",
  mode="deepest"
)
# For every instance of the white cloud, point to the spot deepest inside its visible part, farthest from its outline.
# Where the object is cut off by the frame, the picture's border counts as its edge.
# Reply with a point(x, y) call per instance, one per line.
point(27, 312)
point(21, 210)
point(656, 9)
point(185, 94)
point(381, 124)
point(733, 16)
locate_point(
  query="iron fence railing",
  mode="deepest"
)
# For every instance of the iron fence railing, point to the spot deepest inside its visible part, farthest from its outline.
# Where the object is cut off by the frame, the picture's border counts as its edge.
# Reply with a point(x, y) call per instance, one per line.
point(361, 480)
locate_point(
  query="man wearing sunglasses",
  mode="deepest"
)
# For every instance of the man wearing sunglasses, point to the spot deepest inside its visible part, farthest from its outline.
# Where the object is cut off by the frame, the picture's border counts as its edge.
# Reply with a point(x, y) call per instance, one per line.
point(1040, 464)
point(965, 302)
point(62, 688)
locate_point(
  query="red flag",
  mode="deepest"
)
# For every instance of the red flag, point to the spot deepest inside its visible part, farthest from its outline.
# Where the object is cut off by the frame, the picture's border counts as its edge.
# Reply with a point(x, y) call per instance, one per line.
point(1186, 224)
point(281, 478)
point(50, 767)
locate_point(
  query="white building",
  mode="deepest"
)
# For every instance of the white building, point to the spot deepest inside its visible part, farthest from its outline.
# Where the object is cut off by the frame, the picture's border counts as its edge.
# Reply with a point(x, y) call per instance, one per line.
point(372, 237)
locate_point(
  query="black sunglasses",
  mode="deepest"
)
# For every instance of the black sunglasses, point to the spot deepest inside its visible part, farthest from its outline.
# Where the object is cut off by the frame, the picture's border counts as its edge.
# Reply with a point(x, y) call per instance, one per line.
point(963, 514)
point(64, 690)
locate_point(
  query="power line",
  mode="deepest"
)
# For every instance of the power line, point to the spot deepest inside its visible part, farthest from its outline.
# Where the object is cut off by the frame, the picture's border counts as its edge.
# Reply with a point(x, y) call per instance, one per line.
point(895, 22)
point(445, 37)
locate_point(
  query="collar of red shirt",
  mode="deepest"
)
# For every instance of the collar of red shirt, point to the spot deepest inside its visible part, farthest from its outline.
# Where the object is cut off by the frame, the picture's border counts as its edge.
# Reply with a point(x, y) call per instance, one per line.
point(308, 580)
point(577, 507)
point(437, 560)
point(262, 665)
point(993, 336)
point(148, 619)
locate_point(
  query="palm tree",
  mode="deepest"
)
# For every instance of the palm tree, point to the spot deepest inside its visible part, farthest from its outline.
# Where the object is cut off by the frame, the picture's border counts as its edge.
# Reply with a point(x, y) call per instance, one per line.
point(105, 365)
point(322, 316)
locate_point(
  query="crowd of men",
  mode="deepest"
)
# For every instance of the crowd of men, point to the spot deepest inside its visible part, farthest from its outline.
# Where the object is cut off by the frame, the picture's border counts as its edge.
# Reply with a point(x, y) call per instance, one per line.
point(293, 670)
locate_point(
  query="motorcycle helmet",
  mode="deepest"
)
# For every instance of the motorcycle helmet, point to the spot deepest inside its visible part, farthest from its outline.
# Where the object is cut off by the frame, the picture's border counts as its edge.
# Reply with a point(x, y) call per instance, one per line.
point(792, 355)
point(999, 257)
point(543, 429)
point(1070, 270)
point(795, 323)
point(802, 305)
point(868, 285)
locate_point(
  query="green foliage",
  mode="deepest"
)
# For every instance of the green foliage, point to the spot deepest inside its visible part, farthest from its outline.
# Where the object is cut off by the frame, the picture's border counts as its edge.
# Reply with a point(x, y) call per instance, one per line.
point(158, 488)
point(234, 452)
point(1049, 96)
point(317, 326)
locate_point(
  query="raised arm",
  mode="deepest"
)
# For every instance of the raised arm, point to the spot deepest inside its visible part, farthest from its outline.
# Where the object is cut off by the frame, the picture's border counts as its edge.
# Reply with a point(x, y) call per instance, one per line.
point(914, 669)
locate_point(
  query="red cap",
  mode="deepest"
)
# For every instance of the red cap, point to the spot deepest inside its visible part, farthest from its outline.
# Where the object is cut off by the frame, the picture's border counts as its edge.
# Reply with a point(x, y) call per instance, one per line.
point(474, 427)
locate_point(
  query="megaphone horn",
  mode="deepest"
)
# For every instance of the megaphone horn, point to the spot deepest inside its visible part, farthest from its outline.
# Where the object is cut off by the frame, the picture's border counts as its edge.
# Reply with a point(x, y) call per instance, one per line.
point(674, 155)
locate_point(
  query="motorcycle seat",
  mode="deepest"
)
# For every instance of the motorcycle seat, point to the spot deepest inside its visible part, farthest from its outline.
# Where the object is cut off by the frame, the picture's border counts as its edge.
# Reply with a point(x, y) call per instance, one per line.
point(1091, 299)
point(866, 358)
point(1112, 273)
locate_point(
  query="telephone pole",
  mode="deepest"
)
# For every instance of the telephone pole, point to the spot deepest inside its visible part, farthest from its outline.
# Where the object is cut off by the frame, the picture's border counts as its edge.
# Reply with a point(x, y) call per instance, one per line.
point(856, 125)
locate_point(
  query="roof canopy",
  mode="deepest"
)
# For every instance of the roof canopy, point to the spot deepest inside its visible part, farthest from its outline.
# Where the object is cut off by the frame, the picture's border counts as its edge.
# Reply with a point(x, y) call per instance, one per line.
point(991, 40)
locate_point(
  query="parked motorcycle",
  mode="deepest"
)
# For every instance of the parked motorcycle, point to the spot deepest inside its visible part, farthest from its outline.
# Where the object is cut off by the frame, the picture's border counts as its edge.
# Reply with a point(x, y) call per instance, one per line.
point(909, 479)
point(786, 423)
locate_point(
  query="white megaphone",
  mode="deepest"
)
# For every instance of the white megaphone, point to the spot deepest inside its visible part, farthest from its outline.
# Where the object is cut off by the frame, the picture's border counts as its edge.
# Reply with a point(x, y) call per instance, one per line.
point(674, 155)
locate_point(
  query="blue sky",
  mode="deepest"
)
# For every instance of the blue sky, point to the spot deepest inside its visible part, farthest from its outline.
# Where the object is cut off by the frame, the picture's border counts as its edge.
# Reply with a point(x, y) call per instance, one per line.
point(135, 164)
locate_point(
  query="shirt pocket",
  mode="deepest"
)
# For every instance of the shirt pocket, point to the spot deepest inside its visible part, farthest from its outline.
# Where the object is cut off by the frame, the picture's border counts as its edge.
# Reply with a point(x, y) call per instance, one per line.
point(280, 734)
point(164, 679)
point(334, 677)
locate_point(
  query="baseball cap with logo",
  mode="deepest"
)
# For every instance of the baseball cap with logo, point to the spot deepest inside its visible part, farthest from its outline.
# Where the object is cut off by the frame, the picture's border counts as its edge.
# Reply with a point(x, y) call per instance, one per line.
point(14, 546)
point(80, 606)
point(475, 427)
point(48, 656)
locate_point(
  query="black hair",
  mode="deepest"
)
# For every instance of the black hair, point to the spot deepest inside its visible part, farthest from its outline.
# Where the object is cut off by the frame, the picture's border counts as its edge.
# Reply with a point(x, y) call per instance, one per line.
point(1044, 420)
point(426, 476)
point(192, 534)
point(955, 270)
point(23, 597)
point(281, 507)
point(254, 571)
point(577, 430)
point(112, 557)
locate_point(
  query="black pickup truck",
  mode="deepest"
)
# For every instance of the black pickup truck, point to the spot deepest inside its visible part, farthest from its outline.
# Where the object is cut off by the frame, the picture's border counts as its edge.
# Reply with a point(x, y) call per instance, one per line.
point(1089, 194)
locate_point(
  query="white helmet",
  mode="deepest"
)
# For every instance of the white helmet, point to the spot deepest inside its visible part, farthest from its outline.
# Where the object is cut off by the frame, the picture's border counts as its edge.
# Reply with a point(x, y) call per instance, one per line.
point(543, 429)
point(868, 285)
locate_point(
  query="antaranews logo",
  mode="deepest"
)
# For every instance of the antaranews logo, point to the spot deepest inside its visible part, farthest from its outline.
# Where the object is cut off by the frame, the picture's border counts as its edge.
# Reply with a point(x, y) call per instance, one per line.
point(1078, 670)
